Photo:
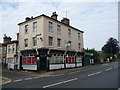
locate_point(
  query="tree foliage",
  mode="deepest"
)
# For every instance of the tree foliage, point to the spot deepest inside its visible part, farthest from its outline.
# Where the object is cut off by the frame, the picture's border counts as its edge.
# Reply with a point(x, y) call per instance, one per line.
point(111, 46)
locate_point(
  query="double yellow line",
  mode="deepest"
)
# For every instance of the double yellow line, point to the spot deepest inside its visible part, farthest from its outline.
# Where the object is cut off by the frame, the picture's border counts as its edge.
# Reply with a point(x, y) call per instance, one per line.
point(4, 80)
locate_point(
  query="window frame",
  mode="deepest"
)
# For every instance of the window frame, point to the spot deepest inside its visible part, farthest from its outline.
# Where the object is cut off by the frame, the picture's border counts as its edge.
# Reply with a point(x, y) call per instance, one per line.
point(79, 46)
point(50, 41)
point(58, 29)
point(34, 41)
point(25, 43)
point(26, 29)
point(4, 50)
point(58, 42)
point(50, 26)
point(13, 48)
point(69, 32)
point(9, 49)
point(78, 35)
point(34, 26)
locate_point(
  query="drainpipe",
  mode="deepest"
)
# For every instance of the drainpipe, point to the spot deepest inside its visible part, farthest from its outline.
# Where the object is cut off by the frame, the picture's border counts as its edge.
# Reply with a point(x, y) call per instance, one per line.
point(19, 54)
point(65, 59)
point(37, 51)
point(38, 62)
point(48, 51)
point(47, 65)
point(75, 59)
point(37, 54)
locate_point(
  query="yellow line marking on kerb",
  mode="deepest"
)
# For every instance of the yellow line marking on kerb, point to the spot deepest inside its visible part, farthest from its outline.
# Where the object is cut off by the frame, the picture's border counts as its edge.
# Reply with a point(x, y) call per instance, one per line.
point(6, 80)
point(46, 73)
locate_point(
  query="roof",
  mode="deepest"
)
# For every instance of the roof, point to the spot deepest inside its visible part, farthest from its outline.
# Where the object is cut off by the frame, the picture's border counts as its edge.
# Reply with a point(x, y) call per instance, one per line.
point(51, 19)
point(14, 41)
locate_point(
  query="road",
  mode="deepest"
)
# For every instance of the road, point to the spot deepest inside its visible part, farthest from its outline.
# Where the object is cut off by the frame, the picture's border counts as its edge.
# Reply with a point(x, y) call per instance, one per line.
point(102, 76)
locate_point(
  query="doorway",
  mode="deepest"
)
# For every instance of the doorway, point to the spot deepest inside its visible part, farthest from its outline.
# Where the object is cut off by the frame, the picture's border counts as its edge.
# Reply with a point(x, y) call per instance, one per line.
point(43, 63)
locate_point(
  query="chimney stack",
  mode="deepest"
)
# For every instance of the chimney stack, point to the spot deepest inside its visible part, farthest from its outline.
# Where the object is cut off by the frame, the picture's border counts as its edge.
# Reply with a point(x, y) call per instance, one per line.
point(6, 39)
point(65, 21)
point(27, 18)
point(54, 15)
point(31, 17)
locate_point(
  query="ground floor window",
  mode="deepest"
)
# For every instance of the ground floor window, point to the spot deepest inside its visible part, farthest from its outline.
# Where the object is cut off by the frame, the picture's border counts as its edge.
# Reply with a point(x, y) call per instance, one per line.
point(29, 60)
point(56, 58)
point(78, 59)
point(10, 60)
point(70, 59)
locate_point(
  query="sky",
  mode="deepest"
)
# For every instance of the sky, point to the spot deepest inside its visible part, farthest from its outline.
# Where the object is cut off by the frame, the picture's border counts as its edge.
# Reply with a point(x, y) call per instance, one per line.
point(98, 19)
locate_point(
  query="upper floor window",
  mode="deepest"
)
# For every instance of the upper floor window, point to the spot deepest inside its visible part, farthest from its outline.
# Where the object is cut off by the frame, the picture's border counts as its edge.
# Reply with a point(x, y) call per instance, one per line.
point(58, 29)
point(50, 26)
point(34, 26)
point(58, 42)
point(78, 45)
point(13, 48)
point(34, 41)
point(78, 35)
point(9, 49)
point(69, 33)
point(26, 29)
point(4, 50)
point(26, 42)
point(50, 41)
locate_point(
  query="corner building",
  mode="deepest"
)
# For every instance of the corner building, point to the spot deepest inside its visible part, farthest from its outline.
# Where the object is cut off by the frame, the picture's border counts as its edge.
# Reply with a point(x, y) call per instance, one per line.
point(46, 43)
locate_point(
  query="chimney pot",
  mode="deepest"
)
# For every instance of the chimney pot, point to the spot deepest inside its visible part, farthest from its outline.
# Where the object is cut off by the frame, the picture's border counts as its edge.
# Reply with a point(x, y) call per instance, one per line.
point(31, 17)
point(27, 18)
point(54, 15)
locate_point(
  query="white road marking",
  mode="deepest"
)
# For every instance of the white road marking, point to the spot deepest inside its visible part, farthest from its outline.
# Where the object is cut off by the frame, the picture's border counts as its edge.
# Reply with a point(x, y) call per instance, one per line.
point(115, 66)
point(105, 64)
point(36, 77)
point(45, 76)
point(94, 73)
point(108, 69)
point(98, 72)
point(60, 83)
point(27, 78)
point(91, 74)
point(18, 80)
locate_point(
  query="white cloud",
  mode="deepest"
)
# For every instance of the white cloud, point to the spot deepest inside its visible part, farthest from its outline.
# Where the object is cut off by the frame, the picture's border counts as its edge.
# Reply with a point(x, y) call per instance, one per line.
point(97, 20)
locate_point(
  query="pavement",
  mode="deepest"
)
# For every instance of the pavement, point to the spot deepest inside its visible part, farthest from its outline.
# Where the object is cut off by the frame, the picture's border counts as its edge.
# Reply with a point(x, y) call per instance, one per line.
point(12, 76)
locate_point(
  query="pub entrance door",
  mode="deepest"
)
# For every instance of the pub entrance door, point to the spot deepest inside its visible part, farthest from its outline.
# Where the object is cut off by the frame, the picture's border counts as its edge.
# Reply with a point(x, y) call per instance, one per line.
point(43, 63)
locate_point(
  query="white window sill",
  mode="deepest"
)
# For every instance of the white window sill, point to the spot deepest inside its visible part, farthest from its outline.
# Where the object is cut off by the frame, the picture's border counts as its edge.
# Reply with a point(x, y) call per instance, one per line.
point(51, 47)
point(59, 47)
point(26, 47)
point(34, 46)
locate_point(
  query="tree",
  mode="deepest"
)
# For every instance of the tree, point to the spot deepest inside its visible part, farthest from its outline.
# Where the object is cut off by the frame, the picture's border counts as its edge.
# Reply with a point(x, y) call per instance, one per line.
point(111, 46)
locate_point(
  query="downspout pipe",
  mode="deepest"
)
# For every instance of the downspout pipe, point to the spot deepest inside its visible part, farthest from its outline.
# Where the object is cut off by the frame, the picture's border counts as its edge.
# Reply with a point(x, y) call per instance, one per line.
point(47, 65)
point(75, 59)
point(65, 59)
point(38, 60)
point(37, 51)
point(48, 51)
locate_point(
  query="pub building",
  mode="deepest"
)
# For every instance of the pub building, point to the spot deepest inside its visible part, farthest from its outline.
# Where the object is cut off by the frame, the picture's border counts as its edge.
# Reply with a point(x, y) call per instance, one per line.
point(46, 43)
